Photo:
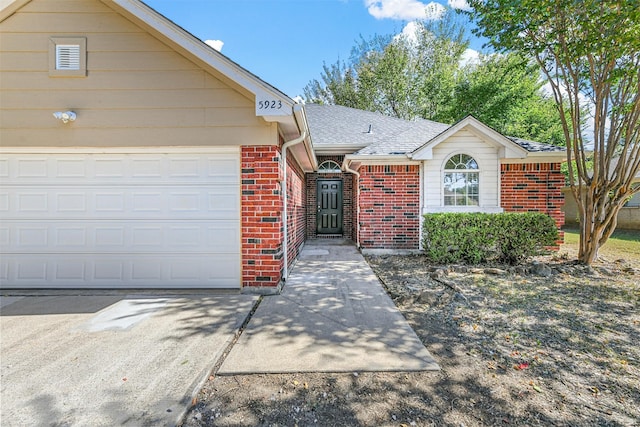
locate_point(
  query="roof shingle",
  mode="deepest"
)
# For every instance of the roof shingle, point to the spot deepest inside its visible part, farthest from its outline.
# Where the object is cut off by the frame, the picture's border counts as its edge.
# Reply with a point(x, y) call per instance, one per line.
point(381, 135)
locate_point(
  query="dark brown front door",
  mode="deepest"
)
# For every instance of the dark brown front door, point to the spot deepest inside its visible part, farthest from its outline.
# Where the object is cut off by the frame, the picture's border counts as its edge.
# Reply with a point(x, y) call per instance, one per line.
point(329, 207)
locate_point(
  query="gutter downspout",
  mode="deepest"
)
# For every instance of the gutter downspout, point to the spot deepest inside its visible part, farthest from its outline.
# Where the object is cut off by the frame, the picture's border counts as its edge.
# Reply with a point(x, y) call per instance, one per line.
point(283, 184)
point(347, 168)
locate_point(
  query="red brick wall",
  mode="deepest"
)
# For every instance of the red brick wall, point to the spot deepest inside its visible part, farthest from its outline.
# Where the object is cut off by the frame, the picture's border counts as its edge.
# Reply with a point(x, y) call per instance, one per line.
point(533, 187)
point(262, 258)
point(389, 206)
point(348, 199)
point(296, 208)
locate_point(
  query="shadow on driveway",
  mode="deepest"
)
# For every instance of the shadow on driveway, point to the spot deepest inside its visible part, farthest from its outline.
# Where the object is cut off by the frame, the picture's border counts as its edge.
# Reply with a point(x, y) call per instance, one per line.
point(111, 359)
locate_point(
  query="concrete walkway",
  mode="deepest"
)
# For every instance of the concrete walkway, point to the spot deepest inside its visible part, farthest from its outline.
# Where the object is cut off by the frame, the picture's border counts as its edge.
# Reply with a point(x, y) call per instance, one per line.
point(332, 316)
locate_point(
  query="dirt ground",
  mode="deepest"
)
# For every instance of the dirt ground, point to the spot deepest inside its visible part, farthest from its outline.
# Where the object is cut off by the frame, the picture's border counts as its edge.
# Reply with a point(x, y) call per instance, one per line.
point(547, 343)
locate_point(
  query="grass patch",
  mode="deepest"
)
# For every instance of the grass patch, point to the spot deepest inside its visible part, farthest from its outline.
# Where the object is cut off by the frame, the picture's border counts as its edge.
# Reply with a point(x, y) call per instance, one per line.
point(623, 244)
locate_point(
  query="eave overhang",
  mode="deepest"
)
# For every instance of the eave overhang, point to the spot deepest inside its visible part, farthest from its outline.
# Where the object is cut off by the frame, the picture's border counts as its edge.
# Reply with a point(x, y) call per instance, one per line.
point(337, 149)
point(303, 153)
point(353, 161)
point(539, 157)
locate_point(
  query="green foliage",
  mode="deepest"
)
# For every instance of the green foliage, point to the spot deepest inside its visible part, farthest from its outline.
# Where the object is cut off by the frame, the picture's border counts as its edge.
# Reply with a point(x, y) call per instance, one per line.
point(405, 76)
point(475, 238)
point(504, 92)
point(589, 50)
point(421, 75)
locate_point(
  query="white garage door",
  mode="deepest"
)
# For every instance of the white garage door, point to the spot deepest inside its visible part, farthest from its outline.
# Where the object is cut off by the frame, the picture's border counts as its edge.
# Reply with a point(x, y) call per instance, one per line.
point(137, 220)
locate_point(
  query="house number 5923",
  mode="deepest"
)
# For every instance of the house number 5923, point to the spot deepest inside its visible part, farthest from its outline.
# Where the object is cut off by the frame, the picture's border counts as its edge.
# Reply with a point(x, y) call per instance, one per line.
point(269, 105)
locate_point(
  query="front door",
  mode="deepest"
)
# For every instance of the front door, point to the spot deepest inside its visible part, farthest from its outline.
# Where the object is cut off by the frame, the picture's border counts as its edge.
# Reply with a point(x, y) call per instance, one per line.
point(329, 207)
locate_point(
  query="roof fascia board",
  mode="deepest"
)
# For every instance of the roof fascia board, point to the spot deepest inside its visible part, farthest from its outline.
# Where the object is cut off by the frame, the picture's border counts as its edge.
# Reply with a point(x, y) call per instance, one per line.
point(337, 148)
point(9, 7)
point(509, 148)
point(170, 31)
point(310, 162)
point(382, 160)
point(540, 157)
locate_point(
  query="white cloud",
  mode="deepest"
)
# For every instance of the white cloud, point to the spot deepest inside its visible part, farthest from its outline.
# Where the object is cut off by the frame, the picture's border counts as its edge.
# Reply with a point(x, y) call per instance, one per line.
point(470, 56)
point(404, 9)
point(411, 31)
point(459, 4)
point(216, 44)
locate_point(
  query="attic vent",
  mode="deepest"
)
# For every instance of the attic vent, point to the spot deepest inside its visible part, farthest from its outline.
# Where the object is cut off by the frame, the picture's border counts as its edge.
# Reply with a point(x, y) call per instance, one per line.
point(67, 57)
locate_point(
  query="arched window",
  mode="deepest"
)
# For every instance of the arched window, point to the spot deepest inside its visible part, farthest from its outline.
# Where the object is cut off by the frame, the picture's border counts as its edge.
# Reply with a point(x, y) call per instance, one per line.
point(329, 166)
point(461, 181)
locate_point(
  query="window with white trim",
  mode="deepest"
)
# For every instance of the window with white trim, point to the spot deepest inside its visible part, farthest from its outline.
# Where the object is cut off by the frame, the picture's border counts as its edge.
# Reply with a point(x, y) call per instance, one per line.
point(67, 57)
point(461, 181)
point(329, 166)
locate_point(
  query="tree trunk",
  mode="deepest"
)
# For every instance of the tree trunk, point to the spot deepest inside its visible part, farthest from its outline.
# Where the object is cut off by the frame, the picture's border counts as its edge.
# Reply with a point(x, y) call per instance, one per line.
point(598, 220)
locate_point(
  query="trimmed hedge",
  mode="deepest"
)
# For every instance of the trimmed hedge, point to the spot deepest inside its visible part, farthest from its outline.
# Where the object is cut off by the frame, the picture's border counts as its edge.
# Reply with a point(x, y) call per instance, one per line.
point(475, 238)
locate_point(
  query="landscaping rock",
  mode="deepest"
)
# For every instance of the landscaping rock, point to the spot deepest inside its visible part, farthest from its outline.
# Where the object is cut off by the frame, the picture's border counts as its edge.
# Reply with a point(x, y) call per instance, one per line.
point(541, 269)
point(629, 270)
point(495, 271)
point(438, 273)
point(428, 297)
point(520, 270)
point(605, 271)
point(588, 270)
point(460, 268)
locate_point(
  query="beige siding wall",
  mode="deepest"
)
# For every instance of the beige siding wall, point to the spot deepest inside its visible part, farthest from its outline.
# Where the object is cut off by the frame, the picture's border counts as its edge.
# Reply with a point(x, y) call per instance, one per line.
point(488, 162)
point(138, 91)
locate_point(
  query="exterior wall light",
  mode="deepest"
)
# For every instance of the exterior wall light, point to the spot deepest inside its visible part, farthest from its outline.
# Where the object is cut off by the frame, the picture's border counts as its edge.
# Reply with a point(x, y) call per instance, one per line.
point(66, 117)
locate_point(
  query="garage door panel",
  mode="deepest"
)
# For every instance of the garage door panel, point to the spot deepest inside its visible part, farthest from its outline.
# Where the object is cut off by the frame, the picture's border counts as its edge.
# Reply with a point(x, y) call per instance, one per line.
point(194, 202)
point(109, 236)
point(112, 220)
point(221, 168)
point(114, 271)
point(4, 168)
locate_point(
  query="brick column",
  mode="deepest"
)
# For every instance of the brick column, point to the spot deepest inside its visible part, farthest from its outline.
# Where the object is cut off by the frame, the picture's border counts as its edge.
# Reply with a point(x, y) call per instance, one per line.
point(262, 231)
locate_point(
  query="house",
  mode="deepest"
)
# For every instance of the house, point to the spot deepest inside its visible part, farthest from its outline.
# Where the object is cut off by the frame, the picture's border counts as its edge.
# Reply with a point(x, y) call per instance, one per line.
point(133, 155)
point(393, 171)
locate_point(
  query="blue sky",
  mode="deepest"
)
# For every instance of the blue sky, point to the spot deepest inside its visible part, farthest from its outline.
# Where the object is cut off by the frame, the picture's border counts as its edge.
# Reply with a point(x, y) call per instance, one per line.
point(285, 42)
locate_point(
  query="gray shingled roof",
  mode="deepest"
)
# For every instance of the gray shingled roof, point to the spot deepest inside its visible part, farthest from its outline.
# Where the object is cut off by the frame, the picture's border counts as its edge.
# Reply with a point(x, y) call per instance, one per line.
point(335, 124)
point(533, 146)
point(338, 125)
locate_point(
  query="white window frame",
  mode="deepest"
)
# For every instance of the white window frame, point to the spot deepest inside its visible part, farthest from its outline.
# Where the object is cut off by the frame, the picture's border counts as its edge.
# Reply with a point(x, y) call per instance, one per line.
point(58, 45)
point(476, 171)
point(336, 169)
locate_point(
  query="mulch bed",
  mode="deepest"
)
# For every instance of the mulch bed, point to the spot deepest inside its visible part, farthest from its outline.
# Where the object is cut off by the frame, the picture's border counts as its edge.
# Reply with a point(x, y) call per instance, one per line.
point(548, 343)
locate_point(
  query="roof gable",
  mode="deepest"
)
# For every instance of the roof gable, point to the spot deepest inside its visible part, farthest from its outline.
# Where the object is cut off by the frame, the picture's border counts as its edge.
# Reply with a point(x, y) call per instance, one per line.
point(287, 113)
point(507, 149)
point(194, 49)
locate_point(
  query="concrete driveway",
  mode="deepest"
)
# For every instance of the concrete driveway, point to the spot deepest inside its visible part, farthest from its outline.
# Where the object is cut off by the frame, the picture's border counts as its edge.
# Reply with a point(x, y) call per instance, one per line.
point(110, 359)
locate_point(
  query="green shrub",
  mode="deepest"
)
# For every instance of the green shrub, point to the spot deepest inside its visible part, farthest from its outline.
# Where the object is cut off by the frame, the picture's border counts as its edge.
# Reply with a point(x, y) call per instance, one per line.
point(475, 238)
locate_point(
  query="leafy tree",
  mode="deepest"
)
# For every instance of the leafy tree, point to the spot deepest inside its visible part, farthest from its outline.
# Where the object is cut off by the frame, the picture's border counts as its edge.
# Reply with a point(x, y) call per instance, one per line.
point(337, 87)
point(504, 92)
point(420, 74)
point(590, 52)
point(406, 76)
point(439, 48)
